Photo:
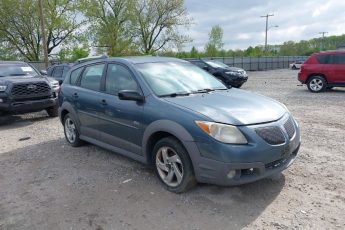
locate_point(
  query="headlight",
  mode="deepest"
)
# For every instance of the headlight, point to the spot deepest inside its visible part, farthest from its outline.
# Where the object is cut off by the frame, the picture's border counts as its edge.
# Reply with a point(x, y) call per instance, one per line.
point(54, 84)
point(231, 72)
point(3, 88)
point(224, 133)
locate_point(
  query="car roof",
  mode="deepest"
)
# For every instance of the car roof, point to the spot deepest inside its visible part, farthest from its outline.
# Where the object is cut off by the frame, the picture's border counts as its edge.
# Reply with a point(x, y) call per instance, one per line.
point(331, 52)
point(12, 62)
point(134, 60)
point(147, 59)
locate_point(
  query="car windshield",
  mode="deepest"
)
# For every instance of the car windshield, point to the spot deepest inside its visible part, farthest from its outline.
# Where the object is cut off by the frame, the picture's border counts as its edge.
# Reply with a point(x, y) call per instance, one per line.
point(217, 64)
point(7, 70)
point(168, 78)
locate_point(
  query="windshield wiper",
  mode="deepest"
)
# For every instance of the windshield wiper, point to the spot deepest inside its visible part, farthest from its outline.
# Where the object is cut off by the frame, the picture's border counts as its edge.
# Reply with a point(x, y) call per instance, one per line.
point(203, 91)
point(17, 74)
point(175, 94)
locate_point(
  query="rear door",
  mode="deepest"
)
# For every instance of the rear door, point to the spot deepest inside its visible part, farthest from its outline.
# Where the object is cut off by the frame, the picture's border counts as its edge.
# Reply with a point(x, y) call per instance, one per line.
point(121, 120)
point(338, 68)
point(87, 96)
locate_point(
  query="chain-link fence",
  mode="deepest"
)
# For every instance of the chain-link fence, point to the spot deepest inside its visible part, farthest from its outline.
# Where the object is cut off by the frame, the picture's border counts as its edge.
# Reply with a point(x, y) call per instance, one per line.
point(259, 63)
point(246, 63)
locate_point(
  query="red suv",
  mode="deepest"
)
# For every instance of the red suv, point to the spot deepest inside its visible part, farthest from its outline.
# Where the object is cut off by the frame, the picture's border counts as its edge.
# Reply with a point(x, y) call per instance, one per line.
point(323, 70)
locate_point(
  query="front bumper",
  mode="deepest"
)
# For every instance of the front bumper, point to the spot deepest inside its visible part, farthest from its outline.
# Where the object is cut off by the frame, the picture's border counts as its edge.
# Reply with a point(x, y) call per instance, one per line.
point(27, 106)
point(236, 80)
point(223, 164)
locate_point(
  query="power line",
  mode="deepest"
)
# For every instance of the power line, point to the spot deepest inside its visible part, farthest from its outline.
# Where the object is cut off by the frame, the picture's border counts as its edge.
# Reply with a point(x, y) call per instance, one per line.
point(266, 16)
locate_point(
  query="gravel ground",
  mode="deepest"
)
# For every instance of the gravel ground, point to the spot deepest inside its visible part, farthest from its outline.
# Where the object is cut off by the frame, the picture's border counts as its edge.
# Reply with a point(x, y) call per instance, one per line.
point(46, 184)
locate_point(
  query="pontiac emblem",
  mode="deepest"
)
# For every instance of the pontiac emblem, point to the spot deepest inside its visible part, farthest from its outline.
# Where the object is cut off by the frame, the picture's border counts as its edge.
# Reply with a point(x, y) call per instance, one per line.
point(31, 87)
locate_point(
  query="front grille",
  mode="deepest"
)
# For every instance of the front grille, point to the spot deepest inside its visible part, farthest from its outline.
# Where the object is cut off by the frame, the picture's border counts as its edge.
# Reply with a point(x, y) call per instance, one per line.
point(30, 90)
point(272, 135)
point(289, 128)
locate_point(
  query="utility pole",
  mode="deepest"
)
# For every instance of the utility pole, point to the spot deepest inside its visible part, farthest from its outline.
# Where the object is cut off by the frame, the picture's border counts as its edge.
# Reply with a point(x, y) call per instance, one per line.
point(43, 34)
point(323, 39)
point(266, 16)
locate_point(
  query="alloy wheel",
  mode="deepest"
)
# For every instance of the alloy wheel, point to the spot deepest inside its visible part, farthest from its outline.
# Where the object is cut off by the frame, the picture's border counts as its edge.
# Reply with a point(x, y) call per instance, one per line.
point(316, 84)
point(169, 166)
point(70, 130)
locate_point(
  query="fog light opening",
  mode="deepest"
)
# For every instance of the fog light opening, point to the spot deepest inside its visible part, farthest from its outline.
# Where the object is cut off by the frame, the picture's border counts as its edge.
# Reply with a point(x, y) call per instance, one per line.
point(231, 174)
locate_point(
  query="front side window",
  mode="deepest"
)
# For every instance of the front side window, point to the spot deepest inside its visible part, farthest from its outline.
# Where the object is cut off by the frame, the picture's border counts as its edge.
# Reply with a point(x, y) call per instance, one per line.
point(119, 78)
point(166, 78)
point(91, 78)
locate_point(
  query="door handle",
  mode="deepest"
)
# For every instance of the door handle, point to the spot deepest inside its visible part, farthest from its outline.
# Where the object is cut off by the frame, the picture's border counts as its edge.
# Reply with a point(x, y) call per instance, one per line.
point(75, 95)
point(103, 102)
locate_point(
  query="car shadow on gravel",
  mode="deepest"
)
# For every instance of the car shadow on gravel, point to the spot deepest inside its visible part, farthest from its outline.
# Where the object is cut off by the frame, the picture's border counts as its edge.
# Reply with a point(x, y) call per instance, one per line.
point(16, 121)
point(112, 189)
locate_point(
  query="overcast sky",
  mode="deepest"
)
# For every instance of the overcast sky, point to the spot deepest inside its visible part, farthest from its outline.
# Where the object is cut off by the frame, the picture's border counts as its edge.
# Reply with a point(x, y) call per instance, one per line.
point(243, 27)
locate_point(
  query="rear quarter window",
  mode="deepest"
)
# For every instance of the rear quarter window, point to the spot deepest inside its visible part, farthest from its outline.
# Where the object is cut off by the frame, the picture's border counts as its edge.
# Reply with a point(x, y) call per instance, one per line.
point(324, 58)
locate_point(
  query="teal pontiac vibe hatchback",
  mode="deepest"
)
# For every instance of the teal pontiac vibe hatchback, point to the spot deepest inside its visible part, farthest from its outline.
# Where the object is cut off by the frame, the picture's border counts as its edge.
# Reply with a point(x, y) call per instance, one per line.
point(172, 115)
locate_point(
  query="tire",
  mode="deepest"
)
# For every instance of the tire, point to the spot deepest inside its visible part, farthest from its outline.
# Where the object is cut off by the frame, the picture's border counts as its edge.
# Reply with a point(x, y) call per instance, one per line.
point(71, 131)
point(173, 166)
point(294, 67)
point(316, 84)
point(238, 86)
point(53, 111)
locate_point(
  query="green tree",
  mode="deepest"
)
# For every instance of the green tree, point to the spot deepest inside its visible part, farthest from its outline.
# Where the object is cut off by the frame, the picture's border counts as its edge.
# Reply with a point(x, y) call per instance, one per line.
point(157, 24)
point(19, 25)
point(110, 25)
point(73, 53)
point(215, 41)
point(194, 53)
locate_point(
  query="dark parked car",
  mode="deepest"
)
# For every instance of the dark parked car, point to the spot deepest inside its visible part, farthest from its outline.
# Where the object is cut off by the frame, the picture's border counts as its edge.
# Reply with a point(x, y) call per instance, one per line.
point(323, 70)
point(170, 114)
point(59, 72)
point(230, 76)
point(23, 89)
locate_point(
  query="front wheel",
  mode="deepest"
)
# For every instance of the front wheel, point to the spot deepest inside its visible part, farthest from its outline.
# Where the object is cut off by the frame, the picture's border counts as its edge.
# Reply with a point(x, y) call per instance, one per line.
point(173, 165)
point(317, 84)
point(53, 111)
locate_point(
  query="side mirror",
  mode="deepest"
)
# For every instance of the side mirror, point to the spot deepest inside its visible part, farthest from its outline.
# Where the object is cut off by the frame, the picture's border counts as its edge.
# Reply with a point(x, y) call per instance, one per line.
point(43, 72)
point(205, 68)
point(130, 95)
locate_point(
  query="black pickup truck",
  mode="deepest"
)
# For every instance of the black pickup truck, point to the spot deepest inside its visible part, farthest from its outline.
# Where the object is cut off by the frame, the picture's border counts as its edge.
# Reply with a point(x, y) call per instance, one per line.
point(24, 89)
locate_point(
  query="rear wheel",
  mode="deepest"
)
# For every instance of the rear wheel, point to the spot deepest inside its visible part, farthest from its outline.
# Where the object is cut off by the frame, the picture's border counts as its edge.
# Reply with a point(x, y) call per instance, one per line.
point(316, 84)
point(173, 165)
point(71, 131)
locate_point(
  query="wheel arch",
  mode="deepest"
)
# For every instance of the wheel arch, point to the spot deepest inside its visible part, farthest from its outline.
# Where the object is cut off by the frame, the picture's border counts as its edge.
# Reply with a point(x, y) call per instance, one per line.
point(161, 129)
point(316, 74)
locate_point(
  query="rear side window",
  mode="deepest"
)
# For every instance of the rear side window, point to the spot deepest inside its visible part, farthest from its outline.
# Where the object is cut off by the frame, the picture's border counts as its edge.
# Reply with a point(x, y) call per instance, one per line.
point(338, 59)
point(119, 78)
point(91, 78)
point(57, 73)
point(74, 76)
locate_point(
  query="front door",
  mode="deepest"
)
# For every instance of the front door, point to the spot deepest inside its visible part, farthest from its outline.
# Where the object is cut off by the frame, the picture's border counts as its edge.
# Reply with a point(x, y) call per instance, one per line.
point(121, 122)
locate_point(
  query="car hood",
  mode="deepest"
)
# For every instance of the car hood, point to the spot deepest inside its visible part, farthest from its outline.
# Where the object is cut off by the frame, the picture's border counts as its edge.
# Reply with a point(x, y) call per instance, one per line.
point(233, 106)
point(22, 79)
